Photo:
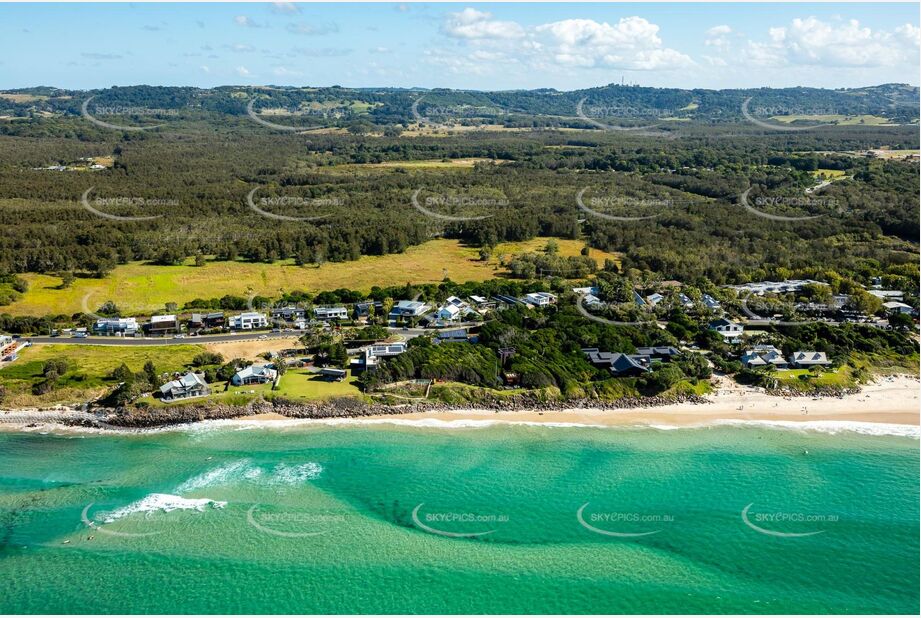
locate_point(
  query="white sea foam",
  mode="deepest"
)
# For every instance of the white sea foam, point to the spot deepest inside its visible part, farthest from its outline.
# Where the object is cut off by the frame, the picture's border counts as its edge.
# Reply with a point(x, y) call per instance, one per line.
point(833, 427)
point(165, 503)
point(244, 470)
point(221, 475)
point(287, 474)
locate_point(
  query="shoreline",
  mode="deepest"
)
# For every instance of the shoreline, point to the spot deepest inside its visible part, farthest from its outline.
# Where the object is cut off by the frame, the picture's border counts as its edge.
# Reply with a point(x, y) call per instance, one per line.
point(889, 402)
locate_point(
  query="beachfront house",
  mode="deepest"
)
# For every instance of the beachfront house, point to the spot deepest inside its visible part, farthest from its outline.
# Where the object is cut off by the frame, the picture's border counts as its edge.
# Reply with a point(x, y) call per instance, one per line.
point(662, 353)
point(729, 330)
point(334, 375)
point(374, 353)
point(188, 386)
point(619, 364)
point(248, 321)
point(763, 356)
point(806, 359)
point(254, 374)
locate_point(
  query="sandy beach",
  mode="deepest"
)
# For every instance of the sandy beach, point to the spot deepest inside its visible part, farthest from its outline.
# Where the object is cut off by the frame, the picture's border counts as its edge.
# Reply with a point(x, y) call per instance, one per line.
point(891, 400)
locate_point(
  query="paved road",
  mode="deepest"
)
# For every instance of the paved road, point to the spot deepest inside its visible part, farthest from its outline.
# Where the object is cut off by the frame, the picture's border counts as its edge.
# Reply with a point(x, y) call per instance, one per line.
point(405, 333)
point(161, 341)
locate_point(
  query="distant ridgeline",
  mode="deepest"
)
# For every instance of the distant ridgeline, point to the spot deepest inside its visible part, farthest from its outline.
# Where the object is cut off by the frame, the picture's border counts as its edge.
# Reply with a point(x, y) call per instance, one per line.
point(545, 107)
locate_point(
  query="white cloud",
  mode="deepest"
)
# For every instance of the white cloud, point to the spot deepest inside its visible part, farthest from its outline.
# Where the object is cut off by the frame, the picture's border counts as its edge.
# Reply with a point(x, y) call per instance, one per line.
point(632, 43)
point(246, 22)
point(844, 44)
point(717, 37)
point(288, 8)
point(205, 68)
point(719, 31)
point(910, 33)
point(310, 29)
point(242, 71)
point(473, 24)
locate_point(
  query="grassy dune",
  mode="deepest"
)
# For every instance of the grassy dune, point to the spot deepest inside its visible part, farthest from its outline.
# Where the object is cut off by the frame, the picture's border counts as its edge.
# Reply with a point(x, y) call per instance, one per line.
point(141, 288)
point(88, 370)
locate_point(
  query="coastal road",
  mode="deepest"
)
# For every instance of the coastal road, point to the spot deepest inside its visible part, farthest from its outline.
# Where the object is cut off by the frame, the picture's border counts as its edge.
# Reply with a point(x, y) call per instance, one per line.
point(404, 333)
point(204, 339)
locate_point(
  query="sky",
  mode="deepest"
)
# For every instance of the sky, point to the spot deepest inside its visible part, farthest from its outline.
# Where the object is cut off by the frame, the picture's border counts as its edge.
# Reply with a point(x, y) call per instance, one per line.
point(465, 46)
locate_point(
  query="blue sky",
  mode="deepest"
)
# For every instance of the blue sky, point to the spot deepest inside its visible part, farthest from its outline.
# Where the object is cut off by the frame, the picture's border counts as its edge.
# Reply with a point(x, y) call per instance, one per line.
point(464, 45)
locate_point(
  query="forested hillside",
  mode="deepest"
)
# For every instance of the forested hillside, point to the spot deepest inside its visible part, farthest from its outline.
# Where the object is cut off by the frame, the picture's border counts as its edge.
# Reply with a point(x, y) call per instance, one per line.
point(675, 201)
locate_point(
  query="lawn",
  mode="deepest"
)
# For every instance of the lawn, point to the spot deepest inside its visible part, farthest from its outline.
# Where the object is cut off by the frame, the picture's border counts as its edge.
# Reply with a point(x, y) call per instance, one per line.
point(88, 369)
point(802, 379)
point(141, 288)
point(302, 384)
point(829, 174)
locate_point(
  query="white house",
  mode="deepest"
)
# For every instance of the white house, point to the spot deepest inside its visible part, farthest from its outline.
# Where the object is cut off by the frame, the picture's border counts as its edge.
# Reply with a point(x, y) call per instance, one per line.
point(248, 321)
point(254, 374)
point(113, 326)
point(189, 385)
point(331, 313)
point(730, 330)
point(809, 359)
point(409, 309)
point(453, 309)
point(894, 306)
point(540, 299)
point(888, 294)
point(374, 353)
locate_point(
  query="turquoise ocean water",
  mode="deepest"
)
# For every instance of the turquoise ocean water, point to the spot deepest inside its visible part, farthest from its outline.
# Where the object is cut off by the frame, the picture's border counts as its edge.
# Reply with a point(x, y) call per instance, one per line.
point(503, 519)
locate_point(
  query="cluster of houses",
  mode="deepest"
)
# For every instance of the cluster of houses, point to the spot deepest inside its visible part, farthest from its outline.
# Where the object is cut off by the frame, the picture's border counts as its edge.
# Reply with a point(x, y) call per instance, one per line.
point(590, 298)
point(453, 310)
point(768, 355)
point(191, 384)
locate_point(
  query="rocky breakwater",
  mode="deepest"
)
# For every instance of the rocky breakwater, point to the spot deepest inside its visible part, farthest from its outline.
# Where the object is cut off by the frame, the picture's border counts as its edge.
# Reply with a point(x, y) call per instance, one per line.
point(351, 408)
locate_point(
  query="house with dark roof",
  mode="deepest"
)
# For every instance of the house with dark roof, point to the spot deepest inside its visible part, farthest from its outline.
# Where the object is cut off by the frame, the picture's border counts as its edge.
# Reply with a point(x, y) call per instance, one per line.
point(214, 319)
point(619, 364)
point(662, 353)
point(730, 330)
point(163, 324)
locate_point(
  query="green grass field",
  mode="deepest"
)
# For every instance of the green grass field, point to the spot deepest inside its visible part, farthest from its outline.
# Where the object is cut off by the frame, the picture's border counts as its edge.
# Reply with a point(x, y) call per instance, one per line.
point(141, 288)
point(836, 119)
point(829, 174)
point(301, 384)
point(804, 379)
point(88, 371)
